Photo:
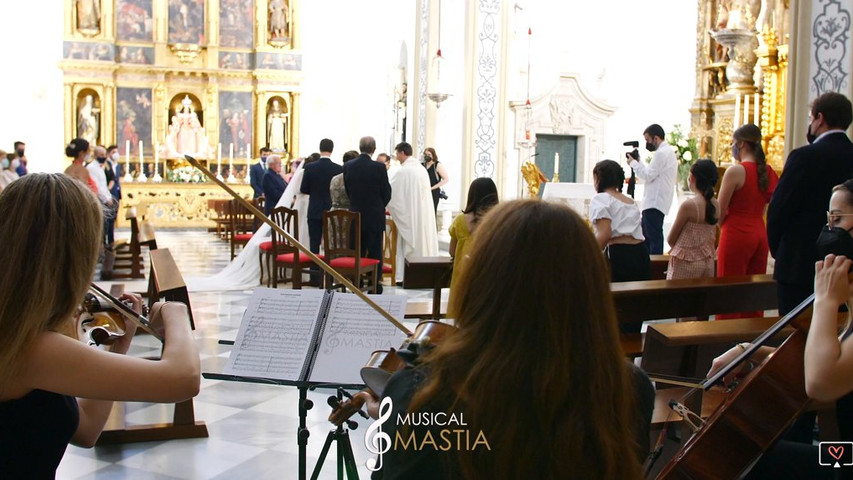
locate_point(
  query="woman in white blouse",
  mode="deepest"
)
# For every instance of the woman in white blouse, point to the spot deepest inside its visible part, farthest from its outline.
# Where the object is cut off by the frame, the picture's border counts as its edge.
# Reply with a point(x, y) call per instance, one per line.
point(618, 227)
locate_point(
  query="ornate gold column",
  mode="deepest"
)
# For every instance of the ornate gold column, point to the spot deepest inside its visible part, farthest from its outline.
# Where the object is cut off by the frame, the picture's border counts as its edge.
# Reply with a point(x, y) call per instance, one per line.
point(294, 119)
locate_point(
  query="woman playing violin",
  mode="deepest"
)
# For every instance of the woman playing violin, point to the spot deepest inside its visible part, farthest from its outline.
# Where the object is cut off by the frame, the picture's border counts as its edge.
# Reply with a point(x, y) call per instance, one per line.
point(54, 389)
point(535, 368)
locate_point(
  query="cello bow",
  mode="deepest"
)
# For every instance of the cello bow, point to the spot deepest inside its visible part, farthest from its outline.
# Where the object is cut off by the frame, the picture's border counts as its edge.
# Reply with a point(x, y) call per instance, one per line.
point(757, 412)
point(302, 248)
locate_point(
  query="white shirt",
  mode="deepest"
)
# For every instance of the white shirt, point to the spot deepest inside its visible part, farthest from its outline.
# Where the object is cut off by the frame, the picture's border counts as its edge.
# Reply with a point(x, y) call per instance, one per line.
point(625, 218)
point(96, 171)
point(659, 178)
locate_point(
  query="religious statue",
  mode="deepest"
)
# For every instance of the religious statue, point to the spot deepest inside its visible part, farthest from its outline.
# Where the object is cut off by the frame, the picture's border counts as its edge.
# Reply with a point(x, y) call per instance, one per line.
point(87, 120)
point(533, 177)
point(278, 21)
point(88, 16)
point(186, 135)
point(277, 138)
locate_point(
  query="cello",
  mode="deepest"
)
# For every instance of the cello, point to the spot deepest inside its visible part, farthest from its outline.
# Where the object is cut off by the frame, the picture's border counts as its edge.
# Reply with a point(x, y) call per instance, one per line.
point(757, 412)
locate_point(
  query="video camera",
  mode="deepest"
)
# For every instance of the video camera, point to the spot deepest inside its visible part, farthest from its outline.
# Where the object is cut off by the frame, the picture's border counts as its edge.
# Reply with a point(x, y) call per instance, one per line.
point(635, 154)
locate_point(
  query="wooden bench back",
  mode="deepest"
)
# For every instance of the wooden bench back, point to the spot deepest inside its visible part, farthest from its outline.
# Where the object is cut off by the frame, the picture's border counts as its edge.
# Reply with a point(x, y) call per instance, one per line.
point(166, 281)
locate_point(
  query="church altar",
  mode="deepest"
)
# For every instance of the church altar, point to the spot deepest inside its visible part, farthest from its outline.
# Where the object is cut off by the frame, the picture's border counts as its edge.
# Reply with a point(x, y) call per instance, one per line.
point(177, 205)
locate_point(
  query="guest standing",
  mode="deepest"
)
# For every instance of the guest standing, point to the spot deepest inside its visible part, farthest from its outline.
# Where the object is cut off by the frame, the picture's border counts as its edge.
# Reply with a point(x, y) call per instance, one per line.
point(437, 175)
point(659, 177)
point(367, 187)
point(482, 196)
point(337, 192)
point(273, 184)
point(315, 183)
point(694, 230)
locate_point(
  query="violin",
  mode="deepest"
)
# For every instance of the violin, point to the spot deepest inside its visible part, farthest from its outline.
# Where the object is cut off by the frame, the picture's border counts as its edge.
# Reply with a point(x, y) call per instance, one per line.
point(382, 364)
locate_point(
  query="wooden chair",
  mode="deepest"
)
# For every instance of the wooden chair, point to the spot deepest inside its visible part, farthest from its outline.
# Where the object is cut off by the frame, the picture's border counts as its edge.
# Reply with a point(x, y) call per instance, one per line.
point(240, 227)
point(220, 207)
point(342, 232)
point(285, 254)
point(126, 260)
point(389, 251)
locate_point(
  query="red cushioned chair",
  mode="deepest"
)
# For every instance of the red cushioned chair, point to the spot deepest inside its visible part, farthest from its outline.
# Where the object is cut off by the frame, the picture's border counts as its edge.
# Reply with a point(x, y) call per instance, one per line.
point(286, 255)
point(240, 228)
point(342, 240)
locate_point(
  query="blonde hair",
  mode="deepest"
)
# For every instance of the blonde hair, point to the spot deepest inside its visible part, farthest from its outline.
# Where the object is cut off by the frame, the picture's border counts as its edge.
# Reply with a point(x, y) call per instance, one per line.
point(535, 312)
point(49, 229)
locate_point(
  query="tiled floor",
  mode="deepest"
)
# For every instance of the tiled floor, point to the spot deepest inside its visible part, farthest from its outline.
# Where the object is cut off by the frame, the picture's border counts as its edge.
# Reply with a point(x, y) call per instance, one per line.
point(252, 426)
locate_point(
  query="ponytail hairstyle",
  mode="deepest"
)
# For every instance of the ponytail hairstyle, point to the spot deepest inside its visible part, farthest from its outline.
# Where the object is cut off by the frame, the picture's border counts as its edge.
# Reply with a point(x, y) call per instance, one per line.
point(76, 147)
point(705, 174)
point(751, 134)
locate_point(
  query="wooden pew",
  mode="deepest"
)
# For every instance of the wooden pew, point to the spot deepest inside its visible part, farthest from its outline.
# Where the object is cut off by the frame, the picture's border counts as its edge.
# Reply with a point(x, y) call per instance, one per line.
point(166, 282)
point(429, 272)
point(183, 425)
point(126, 260)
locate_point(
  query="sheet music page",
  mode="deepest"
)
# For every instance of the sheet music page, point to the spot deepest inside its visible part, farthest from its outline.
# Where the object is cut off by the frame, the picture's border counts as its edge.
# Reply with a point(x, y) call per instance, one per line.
point(353, 331)
point(275, 335)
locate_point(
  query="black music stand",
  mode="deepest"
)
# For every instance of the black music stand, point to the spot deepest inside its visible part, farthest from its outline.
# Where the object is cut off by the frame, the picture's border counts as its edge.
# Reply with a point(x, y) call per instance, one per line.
point(340, 435)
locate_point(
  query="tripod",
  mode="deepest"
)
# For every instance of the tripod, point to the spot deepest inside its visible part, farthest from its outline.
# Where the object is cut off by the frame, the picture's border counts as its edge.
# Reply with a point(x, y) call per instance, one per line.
point(346, 459)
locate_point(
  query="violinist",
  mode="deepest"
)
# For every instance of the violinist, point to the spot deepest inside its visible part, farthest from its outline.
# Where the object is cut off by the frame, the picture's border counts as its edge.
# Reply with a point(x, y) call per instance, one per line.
point(54, 389)
point(534, 370)
point(828, 360)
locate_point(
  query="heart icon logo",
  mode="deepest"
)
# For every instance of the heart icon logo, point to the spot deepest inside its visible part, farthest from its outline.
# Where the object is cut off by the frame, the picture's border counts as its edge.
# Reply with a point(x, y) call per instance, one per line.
point(836, 452)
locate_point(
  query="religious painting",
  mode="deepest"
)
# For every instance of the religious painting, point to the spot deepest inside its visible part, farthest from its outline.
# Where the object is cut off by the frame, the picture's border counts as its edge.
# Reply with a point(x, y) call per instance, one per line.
point(88, 16)
point(236, 23)
point(235, 60)
point(89, 116)
point(136, 55)
point(279, 61)
point(186, 22)
point(235, 122)
point(133, 118)
point(99, 52)
point(134, 21)
point(279, 23)
point(278, 119)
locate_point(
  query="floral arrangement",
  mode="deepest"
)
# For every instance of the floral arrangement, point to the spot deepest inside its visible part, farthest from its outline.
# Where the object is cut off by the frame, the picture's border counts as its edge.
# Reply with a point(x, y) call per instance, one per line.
point(187, 174)
point(686, 152)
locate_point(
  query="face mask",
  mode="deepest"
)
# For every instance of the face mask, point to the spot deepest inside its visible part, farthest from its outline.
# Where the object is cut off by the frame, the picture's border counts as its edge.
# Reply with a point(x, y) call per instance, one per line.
point(5, 163)
point(114, 157)
point(835, 240)
point(810, 137)
point(20, 152)
point(101, 159)
point(735, 152)
point(651, 147)
point(264, 159)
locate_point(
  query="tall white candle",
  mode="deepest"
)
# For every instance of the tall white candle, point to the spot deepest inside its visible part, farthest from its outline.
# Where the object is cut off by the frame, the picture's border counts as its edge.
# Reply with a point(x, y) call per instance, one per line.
point(556, 163)
point(127, 156)
point(157, 159)
point(737, 112)
point(757, 106)
point(745, 109)
point(219, 160)
point(231, 158)
point(141, 165)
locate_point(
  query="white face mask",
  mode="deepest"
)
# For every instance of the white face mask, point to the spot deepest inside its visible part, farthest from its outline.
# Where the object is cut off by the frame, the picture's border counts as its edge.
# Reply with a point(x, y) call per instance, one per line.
point(5, 163)
point(114, 156)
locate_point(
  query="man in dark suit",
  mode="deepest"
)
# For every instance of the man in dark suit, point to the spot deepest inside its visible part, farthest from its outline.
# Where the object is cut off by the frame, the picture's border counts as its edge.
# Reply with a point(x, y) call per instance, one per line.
point(315, 184)
point(273, 184)
point(798, 208)
point(257, 172)
point(366, 183)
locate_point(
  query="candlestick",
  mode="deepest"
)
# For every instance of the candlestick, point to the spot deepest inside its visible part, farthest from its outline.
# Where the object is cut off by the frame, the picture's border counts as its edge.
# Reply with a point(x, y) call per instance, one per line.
point(737, 112)
point(141, 177)
point(556, 167)
point(248, 163)
point(157, 178)
point(745, 109)
point(219, 163)
point(127, 176)
point(757, 106)
point(231, 177)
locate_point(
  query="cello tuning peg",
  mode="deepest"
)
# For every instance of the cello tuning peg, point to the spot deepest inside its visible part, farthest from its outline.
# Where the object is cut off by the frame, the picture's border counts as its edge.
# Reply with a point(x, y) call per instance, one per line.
point(352, 425)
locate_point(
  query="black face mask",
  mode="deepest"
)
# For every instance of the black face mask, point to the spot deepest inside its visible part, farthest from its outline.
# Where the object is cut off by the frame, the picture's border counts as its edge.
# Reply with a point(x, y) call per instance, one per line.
point(834, 240)
point(810, 137)
point(20, 152)
point(651, 147)
point(101, 159)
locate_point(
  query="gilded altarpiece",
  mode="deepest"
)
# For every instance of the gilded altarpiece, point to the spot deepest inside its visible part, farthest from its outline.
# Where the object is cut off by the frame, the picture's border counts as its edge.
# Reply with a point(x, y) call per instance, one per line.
point(741, 72)
point(164, 78)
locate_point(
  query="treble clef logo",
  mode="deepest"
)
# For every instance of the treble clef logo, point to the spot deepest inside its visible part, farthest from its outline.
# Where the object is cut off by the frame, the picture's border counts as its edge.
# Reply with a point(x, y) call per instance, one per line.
point(380, 442)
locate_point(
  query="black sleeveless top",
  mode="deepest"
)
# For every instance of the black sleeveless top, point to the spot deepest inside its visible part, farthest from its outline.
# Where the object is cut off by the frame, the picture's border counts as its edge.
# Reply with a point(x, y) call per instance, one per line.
point(34, 433)
point(433, 179)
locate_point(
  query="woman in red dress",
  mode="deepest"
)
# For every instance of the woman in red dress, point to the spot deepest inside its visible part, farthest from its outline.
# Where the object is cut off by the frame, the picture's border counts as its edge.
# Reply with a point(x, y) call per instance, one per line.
point(744, 194)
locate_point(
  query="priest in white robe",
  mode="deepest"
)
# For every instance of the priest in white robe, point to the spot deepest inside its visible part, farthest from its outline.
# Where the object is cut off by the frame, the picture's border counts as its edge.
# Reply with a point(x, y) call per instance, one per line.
point(411, 209)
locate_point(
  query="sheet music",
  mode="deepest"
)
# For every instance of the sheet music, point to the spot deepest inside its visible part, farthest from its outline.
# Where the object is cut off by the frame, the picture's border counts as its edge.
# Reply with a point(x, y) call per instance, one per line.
point(275, 335)
point(353, 330)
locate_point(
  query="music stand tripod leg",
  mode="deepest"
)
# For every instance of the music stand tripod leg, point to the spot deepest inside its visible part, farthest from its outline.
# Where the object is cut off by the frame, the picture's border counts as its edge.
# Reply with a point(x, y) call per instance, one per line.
point(346, 460)
point(303, 433)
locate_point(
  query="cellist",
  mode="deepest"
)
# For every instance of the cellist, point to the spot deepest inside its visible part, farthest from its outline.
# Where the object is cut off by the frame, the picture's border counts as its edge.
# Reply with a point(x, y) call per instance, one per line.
point(828, 360)
point(533, 383)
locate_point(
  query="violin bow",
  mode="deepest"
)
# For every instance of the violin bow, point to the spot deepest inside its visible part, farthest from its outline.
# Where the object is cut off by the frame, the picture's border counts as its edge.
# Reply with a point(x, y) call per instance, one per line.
point(126, 311)
point(314, 258)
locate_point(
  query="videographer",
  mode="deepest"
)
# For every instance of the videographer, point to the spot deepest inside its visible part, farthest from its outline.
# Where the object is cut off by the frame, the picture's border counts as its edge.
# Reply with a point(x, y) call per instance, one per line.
point(659, 178)
point(437, 176)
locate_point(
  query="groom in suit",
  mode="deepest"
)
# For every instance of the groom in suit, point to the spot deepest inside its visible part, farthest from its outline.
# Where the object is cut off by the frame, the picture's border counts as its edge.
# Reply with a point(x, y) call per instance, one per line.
point(315, 184)
point(257, 171)
point(366, 183)
point(798, 207)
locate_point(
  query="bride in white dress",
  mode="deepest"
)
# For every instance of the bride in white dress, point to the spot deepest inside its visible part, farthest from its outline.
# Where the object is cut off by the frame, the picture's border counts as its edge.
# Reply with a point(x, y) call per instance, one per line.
point(244, 272)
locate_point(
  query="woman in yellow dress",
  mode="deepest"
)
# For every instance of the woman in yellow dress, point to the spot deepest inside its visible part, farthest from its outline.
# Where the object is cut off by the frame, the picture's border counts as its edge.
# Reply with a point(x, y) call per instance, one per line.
point(482, 195)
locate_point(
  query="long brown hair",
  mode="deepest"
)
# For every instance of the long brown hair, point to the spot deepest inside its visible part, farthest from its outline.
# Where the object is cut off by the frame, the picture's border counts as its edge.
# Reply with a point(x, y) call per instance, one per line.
point(751, 134)
point(536, 362)
point(50, 230)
